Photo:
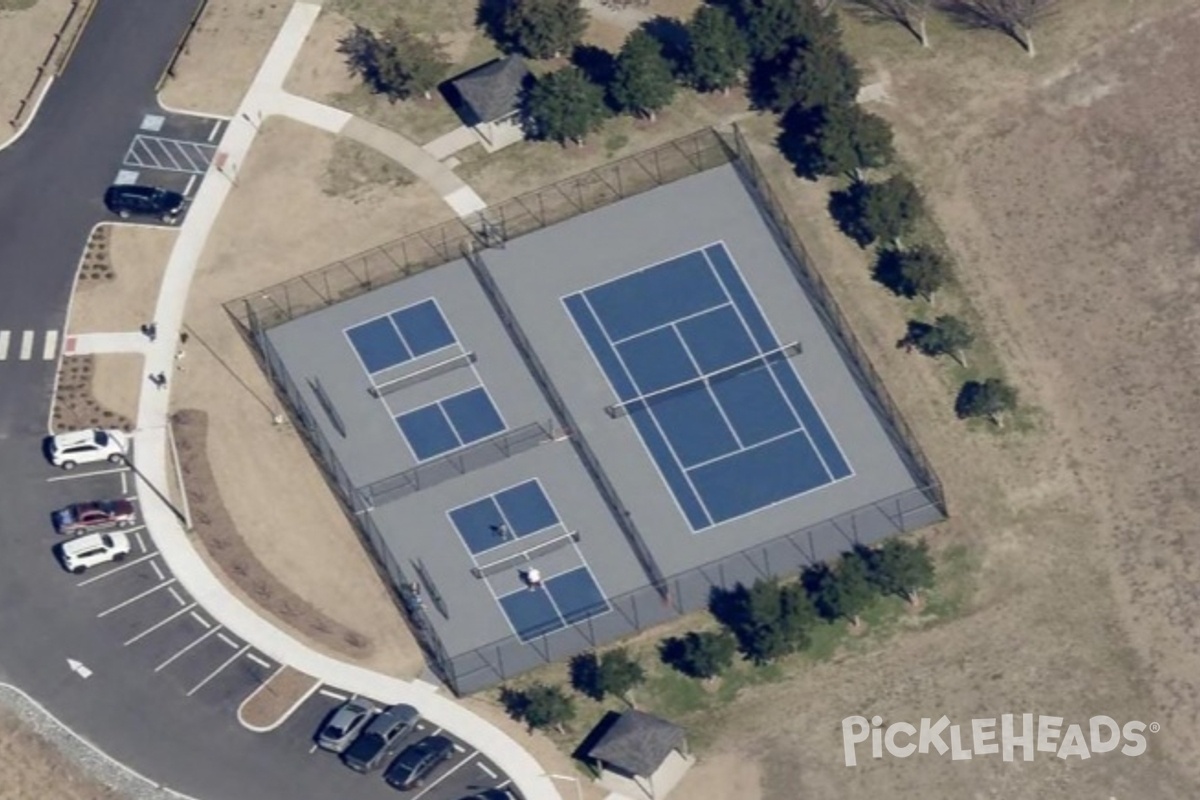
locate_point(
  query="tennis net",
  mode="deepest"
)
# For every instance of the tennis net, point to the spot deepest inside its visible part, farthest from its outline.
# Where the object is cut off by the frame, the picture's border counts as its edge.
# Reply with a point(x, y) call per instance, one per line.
point(425, 373)
point(516, 559)
point(623, 408)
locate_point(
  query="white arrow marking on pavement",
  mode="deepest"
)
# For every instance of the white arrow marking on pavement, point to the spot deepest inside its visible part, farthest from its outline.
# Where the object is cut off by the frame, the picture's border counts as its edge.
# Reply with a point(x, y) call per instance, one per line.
point(79, 669)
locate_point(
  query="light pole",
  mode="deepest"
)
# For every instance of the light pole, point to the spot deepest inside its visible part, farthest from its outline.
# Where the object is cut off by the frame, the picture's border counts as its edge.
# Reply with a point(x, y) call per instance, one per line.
point(573, 779)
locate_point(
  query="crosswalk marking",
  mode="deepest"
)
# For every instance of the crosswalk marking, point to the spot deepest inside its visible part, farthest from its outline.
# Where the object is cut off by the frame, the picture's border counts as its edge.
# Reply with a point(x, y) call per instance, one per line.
point(28, 339)
point(50, 346)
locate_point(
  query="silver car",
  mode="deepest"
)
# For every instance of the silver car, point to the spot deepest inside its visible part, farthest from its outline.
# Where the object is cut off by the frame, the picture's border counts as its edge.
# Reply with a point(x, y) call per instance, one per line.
point(381, 739)
point(345, 723)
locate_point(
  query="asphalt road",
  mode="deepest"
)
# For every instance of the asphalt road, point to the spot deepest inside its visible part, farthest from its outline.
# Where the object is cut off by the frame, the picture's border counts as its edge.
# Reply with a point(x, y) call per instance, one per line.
point(162, 688)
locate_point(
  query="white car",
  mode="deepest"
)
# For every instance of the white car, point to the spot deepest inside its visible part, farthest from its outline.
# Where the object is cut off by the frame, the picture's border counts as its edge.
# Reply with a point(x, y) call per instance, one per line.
point(92, 550)
point(86, 447)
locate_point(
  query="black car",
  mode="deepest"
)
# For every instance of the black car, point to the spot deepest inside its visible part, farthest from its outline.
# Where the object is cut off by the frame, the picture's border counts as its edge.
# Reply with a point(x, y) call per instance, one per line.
point(493, 794)
point(128, 201)
point(381, 739)
point(416, 761)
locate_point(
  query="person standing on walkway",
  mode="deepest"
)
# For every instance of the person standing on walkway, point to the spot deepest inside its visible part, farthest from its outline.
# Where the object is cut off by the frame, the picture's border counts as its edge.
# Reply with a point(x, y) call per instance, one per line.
point(151, 331)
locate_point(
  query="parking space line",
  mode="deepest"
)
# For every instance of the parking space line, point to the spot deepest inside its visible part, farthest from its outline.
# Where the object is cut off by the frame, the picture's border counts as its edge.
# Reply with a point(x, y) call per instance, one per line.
point(213, 133)
point(486, 769)
point(259, 661)
point(158, 625)
point(124, 566)
point(201, 620)
point(179, 653)
point(459, 748)
point(217, 671)
point(125, 485)
point(79, 475)
point(332, 695)
point(178, 598)
point(447, 774)
point(228, 641)
point(195, 153)
point(137, 537)
point(157, 569)
point(187, 192)
point(134, 599)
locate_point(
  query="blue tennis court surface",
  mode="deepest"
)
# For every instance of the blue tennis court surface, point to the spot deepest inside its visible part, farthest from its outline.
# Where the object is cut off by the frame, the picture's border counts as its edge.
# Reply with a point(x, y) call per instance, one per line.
point(693, 361)
point(400, 336)
point(564, 599)
point(450, 423)
point(513, 513)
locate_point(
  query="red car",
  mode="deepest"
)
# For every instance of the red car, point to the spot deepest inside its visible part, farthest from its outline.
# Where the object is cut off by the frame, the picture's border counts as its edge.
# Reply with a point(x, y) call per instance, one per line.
point(98, 515)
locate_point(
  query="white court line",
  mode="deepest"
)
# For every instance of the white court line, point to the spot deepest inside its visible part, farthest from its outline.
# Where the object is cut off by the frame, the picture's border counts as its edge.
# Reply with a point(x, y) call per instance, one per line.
point(217, 671)
point(178, 598)
point(332, 695)
point(213, 133)
point(79, 475)
point(158, 625)
point(191, 182)
point(137, 537)
point(50, 346)
point(5, 338)
point(195, 642)
point(485, 768)
point(26, 345)
point(124, 566)
point(447, 774)
point(228, 641)
point(157, 569)
point(259, 661)
point(135, 598)
point(201, 620)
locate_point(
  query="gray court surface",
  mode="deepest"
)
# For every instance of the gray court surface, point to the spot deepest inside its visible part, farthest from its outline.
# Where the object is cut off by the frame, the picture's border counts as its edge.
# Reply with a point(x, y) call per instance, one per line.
point(486, 629)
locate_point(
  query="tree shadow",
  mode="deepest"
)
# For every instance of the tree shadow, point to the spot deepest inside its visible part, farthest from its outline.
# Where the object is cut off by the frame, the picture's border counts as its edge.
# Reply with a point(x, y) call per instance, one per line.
point(914, 333)
point(797, 139)
point(889, 273)
point(673, 37)
point(600, 67)
point(847, 206)
point(976, 15)
point(489, 15)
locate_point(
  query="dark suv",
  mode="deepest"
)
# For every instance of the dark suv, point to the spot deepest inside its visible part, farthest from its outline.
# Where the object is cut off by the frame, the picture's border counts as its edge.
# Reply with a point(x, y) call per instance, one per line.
point(144, 201)
point(416, 761)
point(381, 739)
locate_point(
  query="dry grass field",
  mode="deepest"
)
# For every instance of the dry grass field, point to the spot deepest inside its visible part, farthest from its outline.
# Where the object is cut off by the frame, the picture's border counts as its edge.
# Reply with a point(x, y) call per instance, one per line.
point(33, 767)
point(27, 29)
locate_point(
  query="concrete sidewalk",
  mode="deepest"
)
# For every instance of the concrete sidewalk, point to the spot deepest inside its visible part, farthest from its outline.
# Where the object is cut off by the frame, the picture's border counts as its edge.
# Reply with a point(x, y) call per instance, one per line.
point(264, 98)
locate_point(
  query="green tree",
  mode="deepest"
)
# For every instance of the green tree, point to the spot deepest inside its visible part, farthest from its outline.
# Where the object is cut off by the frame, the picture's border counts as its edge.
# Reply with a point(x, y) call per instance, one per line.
point(843, 590)
point(397, 63)
point(814, 73)
point(643, 82)
point(544, 28)
point(767, 619)
point(702, 655)
point(834, 140)
point(947, 336)
point(620, 673)
point(903, 569)
point(717, 53)
point(565, 105)
point(540, 706)
point(992, 398)
point(924, 271)
point(771, 25)
point(870, 211)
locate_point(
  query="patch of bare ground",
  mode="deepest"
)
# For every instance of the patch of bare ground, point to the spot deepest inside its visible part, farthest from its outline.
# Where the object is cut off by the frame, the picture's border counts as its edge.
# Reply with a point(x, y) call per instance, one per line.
point(223, 55)
point(97, 391)
point(610, 22)
point(275, 699)
point(33, 767)
point(117, 285)
point(1066, 186)
point(27, 29)
point(281, 221)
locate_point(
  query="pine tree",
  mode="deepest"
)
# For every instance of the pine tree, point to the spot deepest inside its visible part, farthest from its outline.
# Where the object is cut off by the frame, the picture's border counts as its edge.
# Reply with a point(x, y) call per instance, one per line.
point(717, 50)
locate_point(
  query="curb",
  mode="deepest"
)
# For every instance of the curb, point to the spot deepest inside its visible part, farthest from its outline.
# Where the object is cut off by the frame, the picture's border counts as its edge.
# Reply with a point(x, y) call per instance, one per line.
point(286, 714)
point(31, 115)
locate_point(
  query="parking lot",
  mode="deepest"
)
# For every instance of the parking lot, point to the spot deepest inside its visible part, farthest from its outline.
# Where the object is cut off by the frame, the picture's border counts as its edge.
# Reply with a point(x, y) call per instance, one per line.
point(171, 151)
point(160, 630)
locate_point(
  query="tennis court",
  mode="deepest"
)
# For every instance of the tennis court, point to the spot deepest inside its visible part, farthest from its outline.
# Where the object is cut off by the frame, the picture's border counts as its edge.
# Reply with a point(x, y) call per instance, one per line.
point(710, 390)
point(507, 515)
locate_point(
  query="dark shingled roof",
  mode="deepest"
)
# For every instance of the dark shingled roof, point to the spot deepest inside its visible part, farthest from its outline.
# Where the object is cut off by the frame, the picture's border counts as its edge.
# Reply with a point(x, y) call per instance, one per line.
point(493, 90)
point(638, 743)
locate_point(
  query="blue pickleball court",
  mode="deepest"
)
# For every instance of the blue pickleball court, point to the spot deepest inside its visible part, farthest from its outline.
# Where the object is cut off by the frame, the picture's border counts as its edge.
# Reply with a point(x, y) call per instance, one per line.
point(712, 393)
point(505, 516)
point(400, 336)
